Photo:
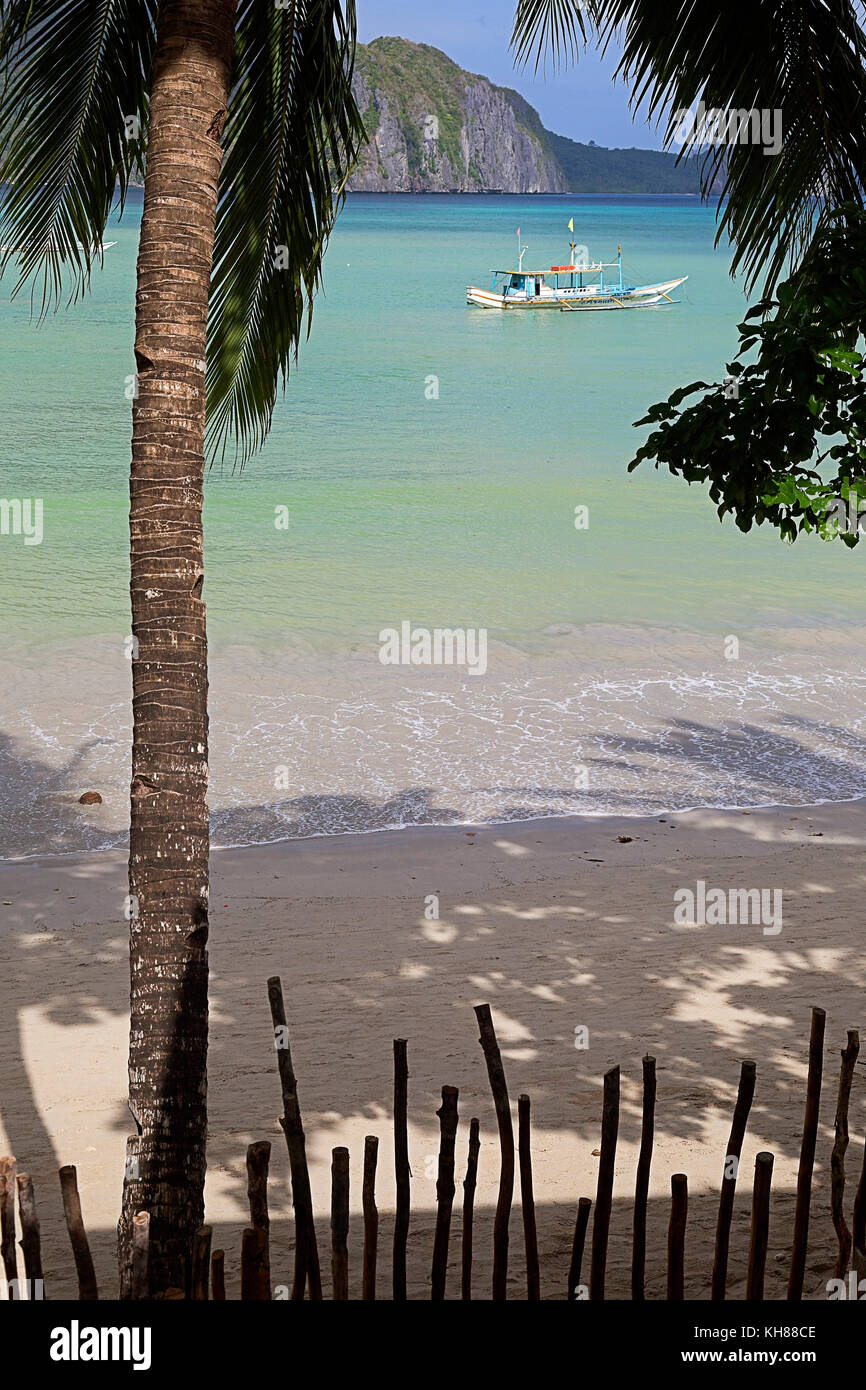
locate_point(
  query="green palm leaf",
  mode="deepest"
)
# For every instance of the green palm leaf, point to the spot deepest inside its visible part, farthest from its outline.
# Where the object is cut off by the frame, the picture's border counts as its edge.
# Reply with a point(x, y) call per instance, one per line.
point(547, 26)
point(73, 71)
point(803, 58)
point(293, 133)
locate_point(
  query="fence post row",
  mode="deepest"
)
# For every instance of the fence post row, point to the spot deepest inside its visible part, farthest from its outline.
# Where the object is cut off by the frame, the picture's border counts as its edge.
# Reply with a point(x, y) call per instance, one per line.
point(208, 1267)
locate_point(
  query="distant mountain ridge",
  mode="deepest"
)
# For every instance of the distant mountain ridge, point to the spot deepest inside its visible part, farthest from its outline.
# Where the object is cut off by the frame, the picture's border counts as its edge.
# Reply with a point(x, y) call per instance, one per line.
point(434, 128)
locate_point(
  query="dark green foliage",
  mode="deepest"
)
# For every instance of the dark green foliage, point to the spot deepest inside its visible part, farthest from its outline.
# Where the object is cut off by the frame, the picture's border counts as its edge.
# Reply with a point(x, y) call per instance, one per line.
point(592, 169)
point(786, 441)
point(551, 28)
point(73, 83)
point(292, 135)
point(73, 73)
point(803, 58)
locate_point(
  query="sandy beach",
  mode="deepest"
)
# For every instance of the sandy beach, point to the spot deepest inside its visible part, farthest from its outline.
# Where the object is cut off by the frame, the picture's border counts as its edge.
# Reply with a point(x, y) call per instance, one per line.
point(559, 924)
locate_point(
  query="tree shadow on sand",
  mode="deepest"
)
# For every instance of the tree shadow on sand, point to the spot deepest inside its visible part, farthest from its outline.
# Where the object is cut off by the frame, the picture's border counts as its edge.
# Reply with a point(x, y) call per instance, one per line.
point(751, 764)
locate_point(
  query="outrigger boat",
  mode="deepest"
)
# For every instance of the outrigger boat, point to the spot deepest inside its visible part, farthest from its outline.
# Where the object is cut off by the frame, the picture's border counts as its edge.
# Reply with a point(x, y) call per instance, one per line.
point(570, 288)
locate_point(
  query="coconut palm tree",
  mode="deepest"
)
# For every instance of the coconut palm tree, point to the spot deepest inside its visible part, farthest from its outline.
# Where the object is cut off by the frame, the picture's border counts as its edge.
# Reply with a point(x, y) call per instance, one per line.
point(243, 115)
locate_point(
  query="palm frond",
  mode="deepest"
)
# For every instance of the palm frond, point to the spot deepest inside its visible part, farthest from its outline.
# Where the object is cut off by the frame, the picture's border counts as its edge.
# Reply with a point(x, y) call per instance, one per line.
point(543, 27)
point(293, 133)
point(801, 58)
point(73, 115)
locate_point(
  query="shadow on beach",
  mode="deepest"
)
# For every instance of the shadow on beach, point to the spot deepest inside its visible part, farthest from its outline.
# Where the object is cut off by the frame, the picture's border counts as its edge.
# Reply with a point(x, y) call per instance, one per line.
point(582, 937)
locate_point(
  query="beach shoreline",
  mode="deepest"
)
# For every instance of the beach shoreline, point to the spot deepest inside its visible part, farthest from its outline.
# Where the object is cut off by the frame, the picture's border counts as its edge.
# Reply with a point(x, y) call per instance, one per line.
point(558, 924)
point(688, 818)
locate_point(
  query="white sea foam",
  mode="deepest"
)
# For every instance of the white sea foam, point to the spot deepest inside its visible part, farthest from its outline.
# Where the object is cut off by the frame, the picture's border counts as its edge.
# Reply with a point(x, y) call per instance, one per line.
point(340, 747)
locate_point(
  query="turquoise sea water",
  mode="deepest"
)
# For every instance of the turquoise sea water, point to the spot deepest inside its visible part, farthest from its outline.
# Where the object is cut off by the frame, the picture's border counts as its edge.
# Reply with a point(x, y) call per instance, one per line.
point(448, 504)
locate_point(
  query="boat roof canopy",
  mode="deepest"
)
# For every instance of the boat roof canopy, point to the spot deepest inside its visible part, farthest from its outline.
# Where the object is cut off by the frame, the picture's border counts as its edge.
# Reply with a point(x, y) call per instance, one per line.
point(560, 269)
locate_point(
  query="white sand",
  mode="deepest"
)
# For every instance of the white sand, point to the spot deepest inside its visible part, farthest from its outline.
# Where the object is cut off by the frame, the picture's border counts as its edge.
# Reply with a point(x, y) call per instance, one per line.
point(556, 924)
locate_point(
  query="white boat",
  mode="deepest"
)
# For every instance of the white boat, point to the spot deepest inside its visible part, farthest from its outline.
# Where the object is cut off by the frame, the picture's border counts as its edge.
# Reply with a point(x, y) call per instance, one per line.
point(574, 287)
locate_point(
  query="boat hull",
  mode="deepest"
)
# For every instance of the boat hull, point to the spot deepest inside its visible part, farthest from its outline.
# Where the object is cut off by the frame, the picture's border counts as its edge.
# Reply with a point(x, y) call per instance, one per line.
point(576, 301)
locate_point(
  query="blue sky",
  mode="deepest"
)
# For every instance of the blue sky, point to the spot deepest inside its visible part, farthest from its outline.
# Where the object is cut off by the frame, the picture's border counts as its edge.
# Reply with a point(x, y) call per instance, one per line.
point(582, 101)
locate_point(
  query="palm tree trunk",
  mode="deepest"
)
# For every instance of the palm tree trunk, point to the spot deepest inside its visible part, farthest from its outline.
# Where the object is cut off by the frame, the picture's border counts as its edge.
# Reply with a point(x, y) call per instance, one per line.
point(169, 841)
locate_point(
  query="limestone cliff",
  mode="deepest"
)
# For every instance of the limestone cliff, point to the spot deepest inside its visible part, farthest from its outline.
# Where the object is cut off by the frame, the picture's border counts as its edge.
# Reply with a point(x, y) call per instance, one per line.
point(433, 128)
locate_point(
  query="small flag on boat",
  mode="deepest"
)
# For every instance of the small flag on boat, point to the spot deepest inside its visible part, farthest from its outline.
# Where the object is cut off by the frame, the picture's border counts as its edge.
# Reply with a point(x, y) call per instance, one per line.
point(518, 231)
point(571, 225)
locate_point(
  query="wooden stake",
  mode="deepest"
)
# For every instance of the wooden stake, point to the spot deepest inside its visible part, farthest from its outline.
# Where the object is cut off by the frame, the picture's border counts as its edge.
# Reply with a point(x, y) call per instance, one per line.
point(255, 1276)
point(745, 1095)
point(306, 1247)
point(577, 1247)
point(401, 1169)
point(371, 1219)
point(249, 1250)
point(760, 1226)
point(340, 1223)
point(218, 1276)
point(858, 1232)
point(469, 1184)
point(496, 1075)
point(7, 1219)
point(258, 1163)
point(140, 1254)
point(527, 1199)
point(444, 1191)
point(604, 1194)
point(87, 1289)
point(807, 1157)
point(641, 1188)
point(30, 1240)
point(837, 1157)
point(201, 1263)
point(677, 1237)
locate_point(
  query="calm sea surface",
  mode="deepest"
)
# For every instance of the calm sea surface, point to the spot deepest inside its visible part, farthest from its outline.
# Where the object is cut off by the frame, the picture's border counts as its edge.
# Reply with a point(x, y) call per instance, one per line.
point(431, 458)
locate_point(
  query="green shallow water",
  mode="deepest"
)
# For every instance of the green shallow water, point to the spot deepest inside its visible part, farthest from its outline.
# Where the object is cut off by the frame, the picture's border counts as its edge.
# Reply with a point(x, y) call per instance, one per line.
point(456, 511)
